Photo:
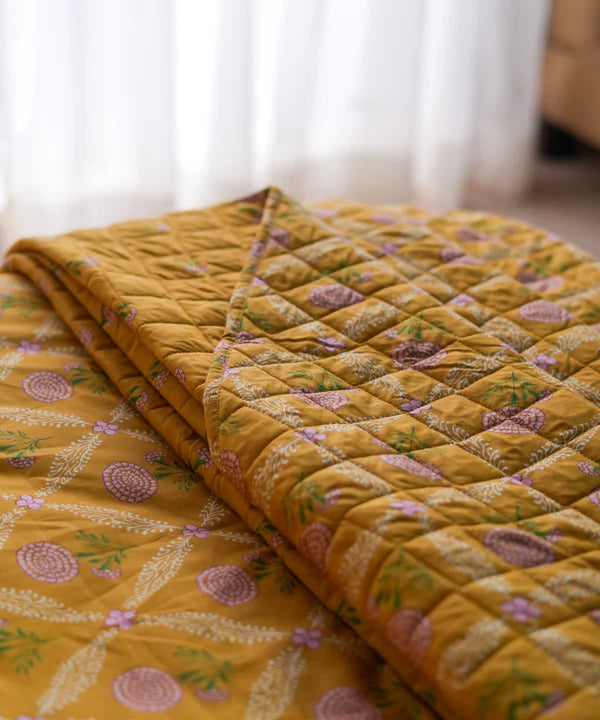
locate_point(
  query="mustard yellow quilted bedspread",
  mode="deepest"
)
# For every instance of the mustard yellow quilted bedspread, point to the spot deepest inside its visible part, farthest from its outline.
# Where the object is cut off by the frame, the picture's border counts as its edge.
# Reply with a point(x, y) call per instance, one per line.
point(403, 407)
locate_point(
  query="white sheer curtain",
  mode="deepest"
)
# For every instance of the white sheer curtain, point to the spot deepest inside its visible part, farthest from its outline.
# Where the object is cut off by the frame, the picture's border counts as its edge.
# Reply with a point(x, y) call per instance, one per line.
point(111, 109)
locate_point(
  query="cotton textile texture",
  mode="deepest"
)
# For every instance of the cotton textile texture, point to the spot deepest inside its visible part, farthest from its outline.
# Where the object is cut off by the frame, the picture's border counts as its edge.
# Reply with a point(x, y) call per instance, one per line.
point(394, 413)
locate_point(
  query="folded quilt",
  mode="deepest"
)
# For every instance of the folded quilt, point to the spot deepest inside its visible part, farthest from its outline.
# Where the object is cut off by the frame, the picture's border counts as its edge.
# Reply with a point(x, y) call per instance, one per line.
point(403, 407)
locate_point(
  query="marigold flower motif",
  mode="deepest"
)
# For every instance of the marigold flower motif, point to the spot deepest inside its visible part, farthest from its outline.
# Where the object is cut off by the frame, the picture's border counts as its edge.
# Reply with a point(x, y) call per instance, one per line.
point(521, 609)
point(343, 702)
point(331, 344)
point(227, 584)
point(21, 463)
point(544, 361)
point(106, 573)
point(310, 434)
point(409, 507)
point(409, 631)
point(309, 637)
point(154, 456)
point(204, 457)
point(47, 562)
point(180, 375)
point(47, 386)
point(129, 482)
point(147, 689)
point(28, 347)
point(247, 338)
point(29, 501)
point(544, 311)
point(123, 619)
point(518, 547)
point(588, 468)
point(106, 428)
point(334, 296)
point(195, 531)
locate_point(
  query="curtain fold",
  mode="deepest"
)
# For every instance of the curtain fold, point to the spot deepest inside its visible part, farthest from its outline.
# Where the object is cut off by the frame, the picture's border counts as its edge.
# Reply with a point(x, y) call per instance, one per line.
point(116, 108)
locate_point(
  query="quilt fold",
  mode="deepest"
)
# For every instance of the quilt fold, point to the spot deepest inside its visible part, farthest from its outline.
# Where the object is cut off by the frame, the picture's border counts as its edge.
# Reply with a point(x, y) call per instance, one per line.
point(404, 407)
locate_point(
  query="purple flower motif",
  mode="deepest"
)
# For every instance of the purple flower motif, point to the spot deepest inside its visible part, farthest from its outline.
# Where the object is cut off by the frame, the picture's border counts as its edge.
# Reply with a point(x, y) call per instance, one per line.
point(91, 261)
point(231, 371)
point(195, 531)
point(521, 609)
point(412, 404)
point(309, 637)
point(365, 277)
point(508, 347)
point(123, 619)
point(517, 479)
point(106, 428)
point(108, 315)
point(71, 366)
point(163, 227)
point(258, 282)
point(408, 507)
point(310, 434)
point(389, 248)
point(554, 701)
point(28, 347)
point(86, 336)
point(3, 622)
point(331, 344)
point(29, 501)
point(463, 300)
point(29, 717)
point(544, 361)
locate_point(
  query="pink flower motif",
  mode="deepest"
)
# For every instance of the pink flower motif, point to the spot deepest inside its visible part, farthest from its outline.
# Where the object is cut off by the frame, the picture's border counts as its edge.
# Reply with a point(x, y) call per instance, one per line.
point(231, 371)
point(258, 282)
point(205, 459)
point(257, 248)
point(332, 497)
point(555, 535)
point(309, 637)
point(163, 227)
point(86, 336)
point(412, 404)
point(91, 261)
point(463, 300)
point(180, 375)
point(211, 695)
point(521, 609)
point(388, 248)
point(123, 619)
point(276, 540)
point(334, 296)
point(247, 338)
point(107, 428)
point(384, 219)
point(107, 574)
point(29, 501)
point(194, 268)
point(4, 622)
point(29, 717)
point(331, 344)
point(130, 317)
point(154, 456)
point(28, 347)
point(222, 345)
point(543, 311)
point(325, 212)
point(518, 479)
point(365, 277)
point(554, 701)
point(588, 468)
point(408, 507)
point(593, 615)
point(72, 365)
point(544, 361)
point(108, 315)
point(310, 434)
point(195, 531)
point(343, 702)
point(279, 236)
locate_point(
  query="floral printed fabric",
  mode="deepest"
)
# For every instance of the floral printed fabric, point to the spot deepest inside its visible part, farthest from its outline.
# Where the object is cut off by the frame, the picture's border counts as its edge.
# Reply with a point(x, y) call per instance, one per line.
point(404, 407)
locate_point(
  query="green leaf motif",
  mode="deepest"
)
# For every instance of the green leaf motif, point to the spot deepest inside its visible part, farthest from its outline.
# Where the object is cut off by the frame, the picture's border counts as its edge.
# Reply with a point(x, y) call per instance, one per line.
point(208, 671)
point(103, 553)
point(22, 648)
point(19, 444)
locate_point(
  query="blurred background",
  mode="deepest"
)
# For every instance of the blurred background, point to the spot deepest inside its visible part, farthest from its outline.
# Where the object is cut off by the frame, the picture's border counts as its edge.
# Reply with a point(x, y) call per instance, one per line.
point(115, 109)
